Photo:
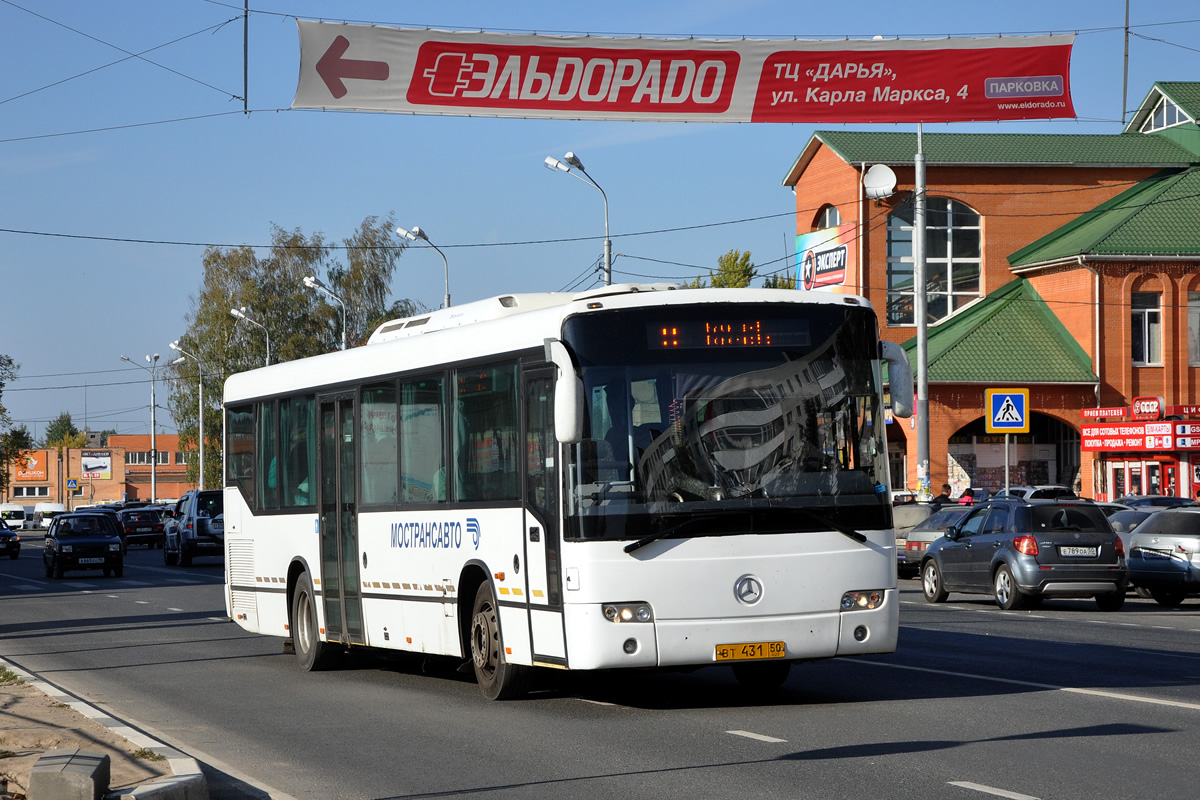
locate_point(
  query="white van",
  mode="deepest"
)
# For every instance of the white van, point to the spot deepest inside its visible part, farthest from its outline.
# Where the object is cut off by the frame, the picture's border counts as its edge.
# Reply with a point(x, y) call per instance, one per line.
point(13, 514)
point(44, 512)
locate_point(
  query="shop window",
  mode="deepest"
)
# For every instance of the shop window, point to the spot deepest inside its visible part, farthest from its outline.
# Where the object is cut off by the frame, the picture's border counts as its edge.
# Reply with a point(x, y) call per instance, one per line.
point(1194, 328)
point(1146, 328)
point(953, 260)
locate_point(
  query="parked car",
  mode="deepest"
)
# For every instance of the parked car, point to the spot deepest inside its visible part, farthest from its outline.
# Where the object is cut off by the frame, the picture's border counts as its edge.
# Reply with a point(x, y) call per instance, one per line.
point(143, 525)
point(1164, 555)
point(10, 541)
point(920, 536)
point(44, 512)
point(1139, 500)
point(195, 527)
point(83, 541)
point(1022, 551)
point(1039, 492)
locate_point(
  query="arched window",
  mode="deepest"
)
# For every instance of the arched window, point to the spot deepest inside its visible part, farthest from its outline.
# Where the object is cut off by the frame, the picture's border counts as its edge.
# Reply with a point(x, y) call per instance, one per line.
point(829, 217)
point(953, 257)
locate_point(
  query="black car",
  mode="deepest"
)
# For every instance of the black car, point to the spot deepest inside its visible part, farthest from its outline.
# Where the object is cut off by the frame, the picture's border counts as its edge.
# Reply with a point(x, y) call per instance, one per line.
point(10, 541)
point(1163, 500)
point(143, 525)
point(81, 541)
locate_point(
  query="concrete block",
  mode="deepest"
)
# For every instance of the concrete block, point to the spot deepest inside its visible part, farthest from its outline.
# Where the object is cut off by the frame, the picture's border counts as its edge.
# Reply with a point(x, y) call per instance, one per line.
point(69, 774)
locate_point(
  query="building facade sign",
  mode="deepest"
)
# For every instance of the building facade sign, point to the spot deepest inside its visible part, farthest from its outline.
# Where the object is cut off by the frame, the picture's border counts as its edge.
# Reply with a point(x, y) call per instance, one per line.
point(31, 465)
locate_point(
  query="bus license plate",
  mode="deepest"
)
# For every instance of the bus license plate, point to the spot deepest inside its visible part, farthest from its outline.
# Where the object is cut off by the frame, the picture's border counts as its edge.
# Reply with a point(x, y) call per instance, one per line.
point(91, 561)
point(1077, 551)
point(748, 651)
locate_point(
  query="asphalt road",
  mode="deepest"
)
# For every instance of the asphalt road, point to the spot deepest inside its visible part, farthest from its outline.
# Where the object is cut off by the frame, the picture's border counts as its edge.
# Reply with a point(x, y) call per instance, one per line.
point(1062, 702)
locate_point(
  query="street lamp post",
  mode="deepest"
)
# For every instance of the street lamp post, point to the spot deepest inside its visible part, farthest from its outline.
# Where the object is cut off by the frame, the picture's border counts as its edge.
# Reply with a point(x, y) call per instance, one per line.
point(571, 164)
point(312, 282)
point(240, 313)
point(185, 355)
point(153, 362)
point(416, 234)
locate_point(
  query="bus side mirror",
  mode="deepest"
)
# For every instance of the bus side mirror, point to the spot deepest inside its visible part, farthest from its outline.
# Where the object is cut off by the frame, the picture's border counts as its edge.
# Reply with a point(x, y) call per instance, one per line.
point(900, 378)
point(568, 394)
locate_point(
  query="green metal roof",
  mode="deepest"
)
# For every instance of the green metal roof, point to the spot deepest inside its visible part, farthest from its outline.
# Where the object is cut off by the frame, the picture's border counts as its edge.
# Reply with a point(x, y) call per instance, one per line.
point(1157, 217)
point(1010, 336)
point(1009, 149)
point(1185, 94)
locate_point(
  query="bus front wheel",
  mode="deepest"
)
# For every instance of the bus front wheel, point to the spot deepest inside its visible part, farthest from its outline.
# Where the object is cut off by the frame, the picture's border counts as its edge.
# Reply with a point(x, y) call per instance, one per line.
point(311, 653)
point(498, 679)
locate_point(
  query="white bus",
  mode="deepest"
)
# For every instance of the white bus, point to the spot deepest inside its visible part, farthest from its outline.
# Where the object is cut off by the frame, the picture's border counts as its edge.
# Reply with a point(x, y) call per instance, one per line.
point(632, 476)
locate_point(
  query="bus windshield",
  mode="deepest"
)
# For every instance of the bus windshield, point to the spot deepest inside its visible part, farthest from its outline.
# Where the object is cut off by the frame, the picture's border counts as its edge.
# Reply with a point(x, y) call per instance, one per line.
point(727, 419)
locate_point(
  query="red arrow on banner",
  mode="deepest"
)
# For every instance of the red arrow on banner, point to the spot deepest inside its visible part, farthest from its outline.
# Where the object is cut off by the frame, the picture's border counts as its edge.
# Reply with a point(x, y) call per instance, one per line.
point(332, 68)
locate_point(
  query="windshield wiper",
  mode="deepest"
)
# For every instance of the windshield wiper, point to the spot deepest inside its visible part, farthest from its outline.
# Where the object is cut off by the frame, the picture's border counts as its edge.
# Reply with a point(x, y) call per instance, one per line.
point(849, 533)
point(669, 530)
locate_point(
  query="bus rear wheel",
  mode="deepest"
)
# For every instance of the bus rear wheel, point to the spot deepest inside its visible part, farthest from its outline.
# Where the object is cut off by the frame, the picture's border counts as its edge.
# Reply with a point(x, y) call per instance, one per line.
point(497, 679)
point(312, 654)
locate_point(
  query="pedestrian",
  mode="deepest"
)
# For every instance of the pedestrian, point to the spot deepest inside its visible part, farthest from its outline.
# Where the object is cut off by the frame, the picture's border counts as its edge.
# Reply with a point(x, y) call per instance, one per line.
point(944, 497)
point(968, 497)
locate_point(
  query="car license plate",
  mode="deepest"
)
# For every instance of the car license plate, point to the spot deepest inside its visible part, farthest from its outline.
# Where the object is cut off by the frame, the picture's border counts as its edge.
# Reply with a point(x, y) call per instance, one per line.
point(143, 530)
point(748, 651)
point(1077, 551)
point(91, 561)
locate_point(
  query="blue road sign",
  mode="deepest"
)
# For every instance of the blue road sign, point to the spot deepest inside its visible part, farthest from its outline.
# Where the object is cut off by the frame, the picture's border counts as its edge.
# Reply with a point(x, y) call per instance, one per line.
point(72, 484)
point(1008, 410)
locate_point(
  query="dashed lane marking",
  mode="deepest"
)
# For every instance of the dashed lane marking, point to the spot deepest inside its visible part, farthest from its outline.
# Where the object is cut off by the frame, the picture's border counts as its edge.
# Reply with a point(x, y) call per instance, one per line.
point(756, 736)
point(979, 787)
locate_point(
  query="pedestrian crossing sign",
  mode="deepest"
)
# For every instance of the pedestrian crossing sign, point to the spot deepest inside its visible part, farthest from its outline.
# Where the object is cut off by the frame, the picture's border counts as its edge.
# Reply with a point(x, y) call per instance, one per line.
point(1008, 410)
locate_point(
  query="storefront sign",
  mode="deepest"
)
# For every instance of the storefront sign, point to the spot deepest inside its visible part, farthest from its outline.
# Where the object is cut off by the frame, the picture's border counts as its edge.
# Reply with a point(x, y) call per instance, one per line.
point(1132, 437)
point(1148, 408)
point(1105, 413)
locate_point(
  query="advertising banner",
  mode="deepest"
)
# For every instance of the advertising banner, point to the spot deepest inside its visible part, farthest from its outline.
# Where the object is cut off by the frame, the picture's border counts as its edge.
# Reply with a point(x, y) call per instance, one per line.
point(96, 464)
point(1117, 437)
point(825, 258)
point(31, 465)
point(469, 73)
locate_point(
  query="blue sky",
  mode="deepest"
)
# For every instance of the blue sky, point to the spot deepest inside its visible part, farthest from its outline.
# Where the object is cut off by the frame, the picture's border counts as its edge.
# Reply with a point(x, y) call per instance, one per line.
point(151, 155)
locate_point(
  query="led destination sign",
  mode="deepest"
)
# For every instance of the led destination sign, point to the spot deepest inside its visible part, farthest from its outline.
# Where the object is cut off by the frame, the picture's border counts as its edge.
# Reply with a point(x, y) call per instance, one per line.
point(723, 333)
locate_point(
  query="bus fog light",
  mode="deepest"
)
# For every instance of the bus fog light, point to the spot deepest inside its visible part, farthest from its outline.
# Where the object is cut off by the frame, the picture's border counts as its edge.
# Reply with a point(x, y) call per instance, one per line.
point(860, 633)
point(862, 601)
point(630, 647)
point(628, 612)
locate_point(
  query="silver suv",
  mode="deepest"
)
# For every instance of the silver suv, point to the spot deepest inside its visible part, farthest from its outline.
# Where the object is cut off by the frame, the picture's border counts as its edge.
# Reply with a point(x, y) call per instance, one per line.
point(195, 527)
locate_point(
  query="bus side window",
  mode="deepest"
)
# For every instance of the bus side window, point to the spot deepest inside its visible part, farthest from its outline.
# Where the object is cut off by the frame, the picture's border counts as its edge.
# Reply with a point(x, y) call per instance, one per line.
point(239, 451)
point(422, 421)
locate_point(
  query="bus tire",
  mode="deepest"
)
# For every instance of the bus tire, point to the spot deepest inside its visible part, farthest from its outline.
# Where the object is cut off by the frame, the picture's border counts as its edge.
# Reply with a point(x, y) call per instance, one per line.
point(497, 679)
point(312, 654)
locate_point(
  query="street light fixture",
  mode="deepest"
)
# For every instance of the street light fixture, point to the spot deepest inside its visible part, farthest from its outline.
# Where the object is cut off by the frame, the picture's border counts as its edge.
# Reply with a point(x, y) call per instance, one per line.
point(312, 282)
point(416, 234)
point(572, 166)
point(240, 313)
point(153, 362)
point(199, 405)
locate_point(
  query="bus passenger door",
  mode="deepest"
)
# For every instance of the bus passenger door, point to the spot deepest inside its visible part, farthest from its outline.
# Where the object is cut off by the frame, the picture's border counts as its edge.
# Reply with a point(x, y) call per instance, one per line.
point(540, 488)
point(337, 463)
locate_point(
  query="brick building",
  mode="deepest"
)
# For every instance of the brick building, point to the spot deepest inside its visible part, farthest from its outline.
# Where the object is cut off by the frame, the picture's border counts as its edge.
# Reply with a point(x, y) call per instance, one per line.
point(115, 472)
point(1066, 265)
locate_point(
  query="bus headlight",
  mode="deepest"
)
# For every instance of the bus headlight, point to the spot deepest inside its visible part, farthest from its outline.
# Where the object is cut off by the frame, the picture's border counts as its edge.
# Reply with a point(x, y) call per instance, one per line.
point(628, 612)
point(862, 601)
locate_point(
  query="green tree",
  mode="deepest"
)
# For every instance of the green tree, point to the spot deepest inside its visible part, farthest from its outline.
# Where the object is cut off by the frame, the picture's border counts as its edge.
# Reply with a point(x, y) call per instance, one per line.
point(734, 271)
point(60, 429)
point(8, 371)
point(12, 443)
point(300, 322)
point(780, 280)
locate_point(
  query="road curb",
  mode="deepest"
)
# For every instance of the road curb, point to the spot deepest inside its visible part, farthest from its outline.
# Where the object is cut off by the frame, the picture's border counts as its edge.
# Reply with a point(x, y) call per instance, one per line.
point(187, 781)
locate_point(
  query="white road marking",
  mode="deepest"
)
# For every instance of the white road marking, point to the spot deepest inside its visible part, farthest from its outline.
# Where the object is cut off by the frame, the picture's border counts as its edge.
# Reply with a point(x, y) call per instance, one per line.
point(1033, 685)
point(979, 787)
point(596, 702)
point(174, 609)
point(757, 736)
point(142, 602)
